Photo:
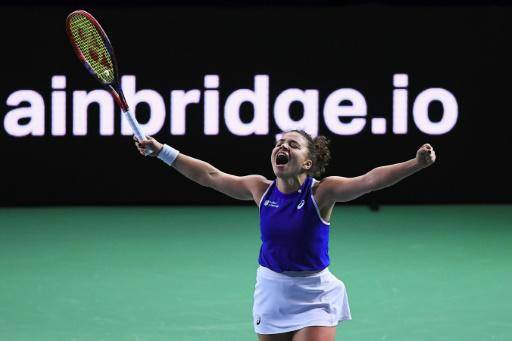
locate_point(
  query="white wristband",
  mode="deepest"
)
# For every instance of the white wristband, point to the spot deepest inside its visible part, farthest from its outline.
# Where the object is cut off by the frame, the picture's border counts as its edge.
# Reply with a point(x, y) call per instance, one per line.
point(168, 154)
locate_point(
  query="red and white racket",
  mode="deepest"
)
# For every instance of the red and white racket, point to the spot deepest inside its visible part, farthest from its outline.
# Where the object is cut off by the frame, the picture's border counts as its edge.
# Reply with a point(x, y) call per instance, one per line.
point(94, 49)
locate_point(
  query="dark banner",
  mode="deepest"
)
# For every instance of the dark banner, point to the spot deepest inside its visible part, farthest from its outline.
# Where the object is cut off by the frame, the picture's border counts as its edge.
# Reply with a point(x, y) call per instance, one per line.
point(220, 84)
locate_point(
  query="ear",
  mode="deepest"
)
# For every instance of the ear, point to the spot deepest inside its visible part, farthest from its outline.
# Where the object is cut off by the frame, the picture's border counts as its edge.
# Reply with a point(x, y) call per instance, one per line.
point(307, 164)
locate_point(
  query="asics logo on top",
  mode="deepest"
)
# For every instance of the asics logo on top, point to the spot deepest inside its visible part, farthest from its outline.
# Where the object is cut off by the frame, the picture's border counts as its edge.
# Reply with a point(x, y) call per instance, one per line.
point(301, 203)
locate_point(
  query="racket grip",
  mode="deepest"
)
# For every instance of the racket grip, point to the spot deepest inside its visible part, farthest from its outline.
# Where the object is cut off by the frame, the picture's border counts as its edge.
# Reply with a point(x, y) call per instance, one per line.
point(137, 130)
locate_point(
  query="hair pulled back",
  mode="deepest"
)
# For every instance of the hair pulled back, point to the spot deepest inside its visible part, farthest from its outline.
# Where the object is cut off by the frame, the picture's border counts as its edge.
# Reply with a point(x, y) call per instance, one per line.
point(318, 152)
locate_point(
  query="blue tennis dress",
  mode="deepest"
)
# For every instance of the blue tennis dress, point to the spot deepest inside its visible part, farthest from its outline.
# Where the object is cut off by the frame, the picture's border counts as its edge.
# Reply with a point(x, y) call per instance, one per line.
point(294, 288)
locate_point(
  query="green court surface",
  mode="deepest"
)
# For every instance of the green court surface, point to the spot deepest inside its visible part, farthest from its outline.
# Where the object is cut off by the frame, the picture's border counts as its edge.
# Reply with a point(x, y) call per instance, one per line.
point(187, 273)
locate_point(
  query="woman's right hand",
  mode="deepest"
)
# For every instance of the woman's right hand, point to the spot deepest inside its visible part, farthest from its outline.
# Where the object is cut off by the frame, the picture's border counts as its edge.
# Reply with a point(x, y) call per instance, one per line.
point(149, 146)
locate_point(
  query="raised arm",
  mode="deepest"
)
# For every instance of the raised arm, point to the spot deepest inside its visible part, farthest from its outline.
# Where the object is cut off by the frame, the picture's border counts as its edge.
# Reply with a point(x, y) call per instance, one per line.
point(250, 187)
point(338, 189)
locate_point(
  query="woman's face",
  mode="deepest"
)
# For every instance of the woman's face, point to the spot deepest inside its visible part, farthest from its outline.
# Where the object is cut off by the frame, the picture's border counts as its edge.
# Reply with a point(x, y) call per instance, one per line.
point(290, 156)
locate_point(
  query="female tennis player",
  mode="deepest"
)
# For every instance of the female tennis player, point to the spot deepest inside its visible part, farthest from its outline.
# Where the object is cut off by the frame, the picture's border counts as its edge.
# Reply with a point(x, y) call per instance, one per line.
point(296, 298)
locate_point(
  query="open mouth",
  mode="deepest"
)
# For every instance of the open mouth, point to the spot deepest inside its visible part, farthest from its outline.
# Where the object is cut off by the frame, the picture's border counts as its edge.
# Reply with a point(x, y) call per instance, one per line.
point(282, 158)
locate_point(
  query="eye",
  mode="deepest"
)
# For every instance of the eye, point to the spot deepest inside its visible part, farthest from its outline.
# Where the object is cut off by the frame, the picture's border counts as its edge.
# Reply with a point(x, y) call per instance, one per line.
point(294, 145)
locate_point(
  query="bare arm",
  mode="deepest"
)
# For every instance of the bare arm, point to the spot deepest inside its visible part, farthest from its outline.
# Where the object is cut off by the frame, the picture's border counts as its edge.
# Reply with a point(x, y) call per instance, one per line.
point(249, 187)
point(338, 189)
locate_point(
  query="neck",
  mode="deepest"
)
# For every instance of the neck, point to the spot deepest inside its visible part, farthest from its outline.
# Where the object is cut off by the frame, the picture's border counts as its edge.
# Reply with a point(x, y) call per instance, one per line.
point(292, 184)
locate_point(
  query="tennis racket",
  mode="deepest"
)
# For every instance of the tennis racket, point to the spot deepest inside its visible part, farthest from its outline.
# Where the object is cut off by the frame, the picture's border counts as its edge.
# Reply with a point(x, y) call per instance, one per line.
point(94, 49)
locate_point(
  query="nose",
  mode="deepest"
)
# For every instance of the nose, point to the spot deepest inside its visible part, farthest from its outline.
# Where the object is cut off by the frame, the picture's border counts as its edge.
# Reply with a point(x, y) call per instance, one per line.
point(285, 146)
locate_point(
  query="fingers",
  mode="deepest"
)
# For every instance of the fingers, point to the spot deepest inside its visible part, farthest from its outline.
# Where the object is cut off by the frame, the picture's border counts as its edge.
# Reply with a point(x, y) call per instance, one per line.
point(426, 154)
point(433, 156)
point(137, 142)
point(147, 147)
point(430, 156)
point(148, 141)
point(142, 151)
point(135, 138)
point(146, 138)
point(427, 148)
point(144, 146)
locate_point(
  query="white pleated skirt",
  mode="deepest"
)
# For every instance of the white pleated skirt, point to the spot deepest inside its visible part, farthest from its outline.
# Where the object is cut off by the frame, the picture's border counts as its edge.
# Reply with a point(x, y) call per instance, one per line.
point(285, 302)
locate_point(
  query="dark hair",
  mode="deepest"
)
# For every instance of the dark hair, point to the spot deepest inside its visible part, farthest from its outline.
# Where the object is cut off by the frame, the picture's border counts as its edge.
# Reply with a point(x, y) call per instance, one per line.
point(318, 152)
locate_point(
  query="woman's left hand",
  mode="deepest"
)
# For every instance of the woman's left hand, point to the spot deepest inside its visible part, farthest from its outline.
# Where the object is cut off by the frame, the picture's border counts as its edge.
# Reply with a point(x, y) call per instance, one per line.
point(426, 155)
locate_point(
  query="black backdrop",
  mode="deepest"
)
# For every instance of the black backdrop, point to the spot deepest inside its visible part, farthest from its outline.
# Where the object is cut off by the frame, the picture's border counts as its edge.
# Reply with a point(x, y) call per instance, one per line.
point(465, 50)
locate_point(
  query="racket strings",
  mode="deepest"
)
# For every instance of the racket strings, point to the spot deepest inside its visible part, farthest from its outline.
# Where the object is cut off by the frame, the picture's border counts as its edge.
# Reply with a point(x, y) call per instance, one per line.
point(91, 45)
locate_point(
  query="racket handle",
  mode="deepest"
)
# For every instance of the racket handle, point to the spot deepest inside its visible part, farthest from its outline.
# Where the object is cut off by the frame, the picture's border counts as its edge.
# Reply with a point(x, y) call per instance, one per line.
point(137, 130)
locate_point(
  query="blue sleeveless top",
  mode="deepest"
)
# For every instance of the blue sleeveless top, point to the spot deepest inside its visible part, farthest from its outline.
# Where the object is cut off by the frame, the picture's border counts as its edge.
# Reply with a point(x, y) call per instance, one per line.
point(293, 234)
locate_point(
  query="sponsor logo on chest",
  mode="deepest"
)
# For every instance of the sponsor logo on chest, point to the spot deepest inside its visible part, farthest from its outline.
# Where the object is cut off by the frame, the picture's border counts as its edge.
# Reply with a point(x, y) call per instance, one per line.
point(270, 203)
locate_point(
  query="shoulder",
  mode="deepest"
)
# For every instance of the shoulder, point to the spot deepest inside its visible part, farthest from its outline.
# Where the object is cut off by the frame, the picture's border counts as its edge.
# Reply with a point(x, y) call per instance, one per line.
point(257, 184)
point(324, 190)
point(258, 181)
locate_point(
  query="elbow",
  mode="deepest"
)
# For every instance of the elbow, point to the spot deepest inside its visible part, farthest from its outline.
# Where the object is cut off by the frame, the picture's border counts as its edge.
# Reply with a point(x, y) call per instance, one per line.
point(371, 182)
point(378, 180)
point(206, 179)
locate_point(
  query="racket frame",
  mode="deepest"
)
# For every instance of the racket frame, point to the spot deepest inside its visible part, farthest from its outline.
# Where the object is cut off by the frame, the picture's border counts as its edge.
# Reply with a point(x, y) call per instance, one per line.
point(114, 87)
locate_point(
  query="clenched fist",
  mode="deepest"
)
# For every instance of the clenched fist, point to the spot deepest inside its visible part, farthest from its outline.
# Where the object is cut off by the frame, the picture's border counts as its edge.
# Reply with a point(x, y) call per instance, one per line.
point(426, 155)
